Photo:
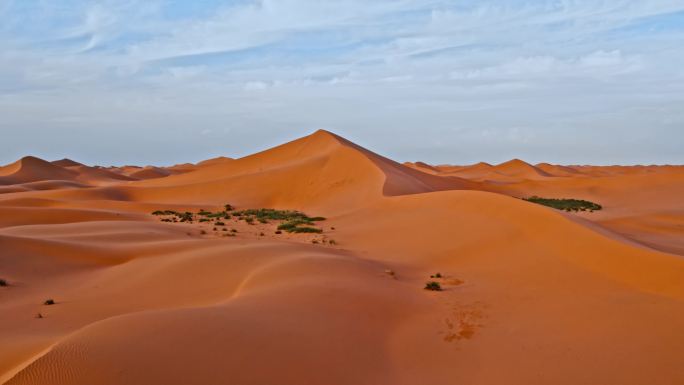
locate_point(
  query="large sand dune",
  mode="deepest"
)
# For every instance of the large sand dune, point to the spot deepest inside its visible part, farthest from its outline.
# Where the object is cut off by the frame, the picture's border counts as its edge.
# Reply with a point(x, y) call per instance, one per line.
point(531, 295)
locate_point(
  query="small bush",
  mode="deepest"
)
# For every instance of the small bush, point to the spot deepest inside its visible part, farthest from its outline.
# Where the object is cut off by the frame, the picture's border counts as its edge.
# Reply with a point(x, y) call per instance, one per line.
point(306, 230)
point(261, 234)
point(278, 232)
point(332, 242)
point(293, 226)
point(3, 282)
point(218, 223)
point(314, 241)
point(165, 212)
point(434, 286)
point(287, 226)
point(203, 232)
point(233, 231)
point(438, 275)
point(229, 207)
point(49, 301)
point(203, 212)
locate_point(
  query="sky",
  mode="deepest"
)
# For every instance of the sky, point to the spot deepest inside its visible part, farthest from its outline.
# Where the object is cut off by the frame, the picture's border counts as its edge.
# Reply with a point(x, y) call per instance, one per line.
point(172, 81)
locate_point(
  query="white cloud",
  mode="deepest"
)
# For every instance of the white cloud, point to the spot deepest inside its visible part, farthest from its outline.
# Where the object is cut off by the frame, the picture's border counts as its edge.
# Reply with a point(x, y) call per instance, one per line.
point(377, 66)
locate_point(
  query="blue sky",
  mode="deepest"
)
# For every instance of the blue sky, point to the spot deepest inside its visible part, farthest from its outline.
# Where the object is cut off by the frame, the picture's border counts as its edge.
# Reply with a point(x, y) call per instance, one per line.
point(162, 82)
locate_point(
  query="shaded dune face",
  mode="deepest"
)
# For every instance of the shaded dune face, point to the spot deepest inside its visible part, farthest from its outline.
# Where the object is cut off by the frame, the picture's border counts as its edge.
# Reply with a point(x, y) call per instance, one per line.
point(529, 294)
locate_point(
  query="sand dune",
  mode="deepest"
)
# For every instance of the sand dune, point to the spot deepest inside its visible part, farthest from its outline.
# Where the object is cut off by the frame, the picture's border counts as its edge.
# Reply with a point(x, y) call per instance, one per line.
point(66, 163)
point(32, 169)
point(520, 169)
point(531, 294)
point(214, 161)
point(331, 174)
point(557, 170)
point(150, 173)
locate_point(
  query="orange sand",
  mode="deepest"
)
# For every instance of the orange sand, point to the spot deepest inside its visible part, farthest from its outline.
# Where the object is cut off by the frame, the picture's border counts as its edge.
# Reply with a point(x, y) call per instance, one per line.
point(531, 295)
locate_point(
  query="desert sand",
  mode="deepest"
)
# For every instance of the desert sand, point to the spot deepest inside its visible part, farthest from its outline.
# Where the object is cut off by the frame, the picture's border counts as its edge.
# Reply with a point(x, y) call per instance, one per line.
point(530, 294)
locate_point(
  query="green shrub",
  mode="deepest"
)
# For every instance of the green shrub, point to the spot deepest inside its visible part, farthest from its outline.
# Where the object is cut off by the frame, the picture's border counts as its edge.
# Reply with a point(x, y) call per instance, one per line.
point(305, 230)
point(165, 212)
point(434, 286)
point(566, 204)
point(277, 215)
point(295, 226)
point(287, 226)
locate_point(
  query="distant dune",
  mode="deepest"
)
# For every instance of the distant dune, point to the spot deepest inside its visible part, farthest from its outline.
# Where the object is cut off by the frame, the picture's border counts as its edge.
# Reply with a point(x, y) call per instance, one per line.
point(530, 294)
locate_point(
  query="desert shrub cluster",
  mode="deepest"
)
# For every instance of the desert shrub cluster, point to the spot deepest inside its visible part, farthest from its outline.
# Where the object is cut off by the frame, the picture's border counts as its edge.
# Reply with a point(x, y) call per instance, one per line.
point(566, 204)
point(291, 221)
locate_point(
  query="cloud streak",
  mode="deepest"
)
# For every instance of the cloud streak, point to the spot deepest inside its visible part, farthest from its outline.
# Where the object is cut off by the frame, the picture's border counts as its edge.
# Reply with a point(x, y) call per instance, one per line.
point(389, 73)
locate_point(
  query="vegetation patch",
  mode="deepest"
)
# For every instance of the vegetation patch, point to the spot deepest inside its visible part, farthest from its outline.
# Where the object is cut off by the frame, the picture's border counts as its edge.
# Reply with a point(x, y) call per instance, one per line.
point(49, 301)
point(3, 283)
point(434, 286)
point(566, 204)
point(291, 221)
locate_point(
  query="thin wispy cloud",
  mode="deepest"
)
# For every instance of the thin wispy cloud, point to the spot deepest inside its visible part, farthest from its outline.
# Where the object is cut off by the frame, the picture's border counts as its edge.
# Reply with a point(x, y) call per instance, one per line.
point(567, 81)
